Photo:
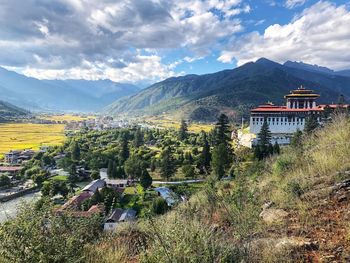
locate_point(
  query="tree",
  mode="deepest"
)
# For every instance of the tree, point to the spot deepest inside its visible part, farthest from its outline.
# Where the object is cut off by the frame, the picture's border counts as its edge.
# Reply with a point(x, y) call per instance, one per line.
point(4, 180)
point(276, 148)
point(110, 168)
point(311, 124)
point(75, 150)
point(167, 163)
point(183, 130)
point(145, 179)
point(124, 149)
point(297, 138)
point(264, 136)
point(159, 206)
point(205, 156)
point(220, 160)
point(188, 171)
point(138, 138)
point(134, 167)
point(95, 175)
point(222, 130)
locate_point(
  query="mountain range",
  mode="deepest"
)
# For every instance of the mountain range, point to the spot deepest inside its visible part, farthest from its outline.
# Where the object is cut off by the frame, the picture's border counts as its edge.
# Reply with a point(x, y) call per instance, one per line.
point(235, 91)
point(9, 111)
point(60, 95)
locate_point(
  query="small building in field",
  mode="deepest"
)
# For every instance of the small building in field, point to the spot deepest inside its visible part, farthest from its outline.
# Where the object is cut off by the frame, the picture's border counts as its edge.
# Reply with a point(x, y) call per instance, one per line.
point(117, 217)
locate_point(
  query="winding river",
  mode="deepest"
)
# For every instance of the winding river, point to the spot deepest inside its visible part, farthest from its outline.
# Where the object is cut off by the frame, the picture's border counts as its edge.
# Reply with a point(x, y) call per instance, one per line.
point(9, 209)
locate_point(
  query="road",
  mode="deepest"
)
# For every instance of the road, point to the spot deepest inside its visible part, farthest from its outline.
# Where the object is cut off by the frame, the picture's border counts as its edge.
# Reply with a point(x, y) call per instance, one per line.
point(180, 182)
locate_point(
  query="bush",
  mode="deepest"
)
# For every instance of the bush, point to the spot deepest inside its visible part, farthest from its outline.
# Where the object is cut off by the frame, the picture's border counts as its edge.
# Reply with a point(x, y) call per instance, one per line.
point(188, 171)
point(159, 206)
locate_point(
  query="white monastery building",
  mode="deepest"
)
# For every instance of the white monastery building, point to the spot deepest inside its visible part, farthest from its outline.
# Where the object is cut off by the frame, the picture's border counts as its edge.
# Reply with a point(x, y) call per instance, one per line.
point(283, 121)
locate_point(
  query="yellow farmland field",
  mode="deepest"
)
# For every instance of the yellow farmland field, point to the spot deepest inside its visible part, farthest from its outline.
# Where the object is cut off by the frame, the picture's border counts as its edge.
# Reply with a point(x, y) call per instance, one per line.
point(168, 123)
point(65, 117)
point(19, 136)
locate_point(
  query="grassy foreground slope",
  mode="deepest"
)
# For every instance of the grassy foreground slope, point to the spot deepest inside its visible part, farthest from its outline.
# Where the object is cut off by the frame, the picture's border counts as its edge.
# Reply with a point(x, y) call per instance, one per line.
point(302, 193)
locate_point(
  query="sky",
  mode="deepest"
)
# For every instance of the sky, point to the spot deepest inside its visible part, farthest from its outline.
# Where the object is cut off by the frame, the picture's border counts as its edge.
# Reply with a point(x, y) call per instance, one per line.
point(144, 41)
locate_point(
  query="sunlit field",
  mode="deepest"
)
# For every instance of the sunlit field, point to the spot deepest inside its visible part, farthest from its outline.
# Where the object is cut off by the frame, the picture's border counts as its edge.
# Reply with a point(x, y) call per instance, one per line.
point(65, 117)
point(19, 136)
point(165, 122)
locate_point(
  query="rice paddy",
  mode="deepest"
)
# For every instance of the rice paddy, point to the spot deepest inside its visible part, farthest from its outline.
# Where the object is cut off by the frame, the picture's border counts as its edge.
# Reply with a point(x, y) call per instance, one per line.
point(65, 117)
point(20, 136)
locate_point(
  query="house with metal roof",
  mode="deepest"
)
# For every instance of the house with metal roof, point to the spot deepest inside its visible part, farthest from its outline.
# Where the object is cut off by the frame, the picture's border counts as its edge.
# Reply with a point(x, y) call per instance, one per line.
point(117, 217)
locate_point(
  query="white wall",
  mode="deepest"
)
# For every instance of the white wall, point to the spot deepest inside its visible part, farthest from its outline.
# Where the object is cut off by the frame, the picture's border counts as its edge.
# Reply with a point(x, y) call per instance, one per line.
point(279, 125)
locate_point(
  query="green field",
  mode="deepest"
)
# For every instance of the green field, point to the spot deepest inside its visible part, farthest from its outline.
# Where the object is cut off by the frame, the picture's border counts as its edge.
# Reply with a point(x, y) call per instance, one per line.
point(19, 136)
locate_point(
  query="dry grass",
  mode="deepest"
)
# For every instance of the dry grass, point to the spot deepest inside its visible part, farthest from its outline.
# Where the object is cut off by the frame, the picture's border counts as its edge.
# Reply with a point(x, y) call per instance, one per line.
point(19, 136)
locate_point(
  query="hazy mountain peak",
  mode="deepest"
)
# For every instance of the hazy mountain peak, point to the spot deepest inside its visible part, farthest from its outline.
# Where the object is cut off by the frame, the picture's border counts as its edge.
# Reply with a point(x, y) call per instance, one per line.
point(309, 67)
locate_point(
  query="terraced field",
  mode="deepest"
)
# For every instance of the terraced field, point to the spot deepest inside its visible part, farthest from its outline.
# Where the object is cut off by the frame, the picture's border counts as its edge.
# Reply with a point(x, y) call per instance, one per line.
point(18, 136)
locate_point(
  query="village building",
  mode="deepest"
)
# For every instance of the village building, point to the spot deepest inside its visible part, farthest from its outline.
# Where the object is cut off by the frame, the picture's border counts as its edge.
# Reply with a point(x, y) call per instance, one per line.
point(285, 120)
point(117, 217)
point(94, 186)
point(117, 184)
point(18, 157)
point(10, 170)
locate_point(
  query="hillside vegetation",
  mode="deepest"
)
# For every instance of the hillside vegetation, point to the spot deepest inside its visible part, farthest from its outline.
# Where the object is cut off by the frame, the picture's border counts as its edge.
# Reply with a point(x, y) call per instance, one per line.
point(9, 111)
point(290, 207)
point(305, 214)
point(203, 97)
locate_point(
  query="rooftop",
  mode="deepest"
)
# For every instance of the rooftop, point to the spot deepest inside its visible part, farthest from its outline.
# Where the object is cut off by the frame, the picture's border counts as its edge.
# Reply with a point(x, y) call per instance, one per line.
point(273, 108)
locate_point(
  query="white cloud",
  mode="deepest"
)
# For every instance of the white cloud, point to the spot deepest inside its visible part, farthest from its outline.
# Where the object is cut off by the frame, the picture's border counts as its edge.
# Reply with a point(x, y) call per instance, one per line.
point(57, 38)
point(294, 3)
point(136, 71)
point(319, 35)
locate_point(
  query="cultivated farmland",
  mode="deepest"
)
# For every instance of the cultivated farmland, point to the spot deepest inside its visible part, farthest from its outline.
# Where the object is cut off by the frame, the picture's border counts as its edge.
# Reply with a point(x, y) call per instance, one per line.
point(18, 136)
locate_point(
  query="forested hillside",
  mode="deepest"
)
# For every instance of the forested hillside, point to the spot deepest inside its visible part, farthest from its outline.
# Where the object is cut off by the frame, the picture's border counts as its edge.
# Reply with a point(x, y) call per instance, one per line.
point(9, 111)
point(202, 97)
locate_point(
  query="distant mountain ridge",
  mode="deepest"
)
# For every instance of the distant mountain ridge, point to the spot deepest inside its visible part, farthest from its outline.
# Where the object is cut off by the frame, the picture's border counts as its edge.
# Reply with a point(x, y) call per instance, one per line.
point(60, 95)
point(235, 91)
point(9, 111)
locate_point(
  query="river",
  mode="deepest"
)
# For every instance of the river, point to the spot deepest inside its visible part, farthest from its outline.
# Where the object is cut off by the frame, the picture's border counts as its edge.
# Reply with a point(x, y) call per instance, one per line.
point(9, 209)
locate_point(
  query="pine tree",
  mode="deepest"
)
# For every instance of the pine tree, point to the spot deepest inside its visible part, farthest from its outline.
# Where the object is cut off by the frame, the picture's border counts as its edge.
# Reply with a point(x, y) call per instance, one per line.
point(220, 160)
point(167, 163)
point(110, 169)
point(222, 130)
point(205, 155)
point(183, 130)
point(257, 152)
point(311, 124)
point(75, 149)
point(145, 179)
point(138, 138)
point(264, 136)
point(124, 151)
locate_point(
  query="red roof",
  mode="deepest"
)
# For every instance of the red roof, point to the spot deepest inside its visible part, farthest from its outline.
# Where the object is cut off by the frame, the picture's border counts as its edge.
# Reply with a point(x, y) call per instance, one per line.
point(5, 169)
point(272, 108)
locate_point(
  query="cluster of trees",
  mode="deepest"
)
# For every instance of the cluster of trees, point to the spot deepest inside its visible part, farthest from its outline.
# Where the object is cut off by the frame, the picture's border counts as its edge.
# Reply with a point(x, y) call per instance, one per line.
point(4, 180)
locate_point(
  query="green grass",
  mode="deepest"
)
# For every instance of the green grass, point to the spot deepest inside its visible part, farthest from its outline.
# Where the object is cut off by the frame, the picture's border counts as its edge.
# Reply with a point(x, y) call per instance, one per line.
point(59, 178)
